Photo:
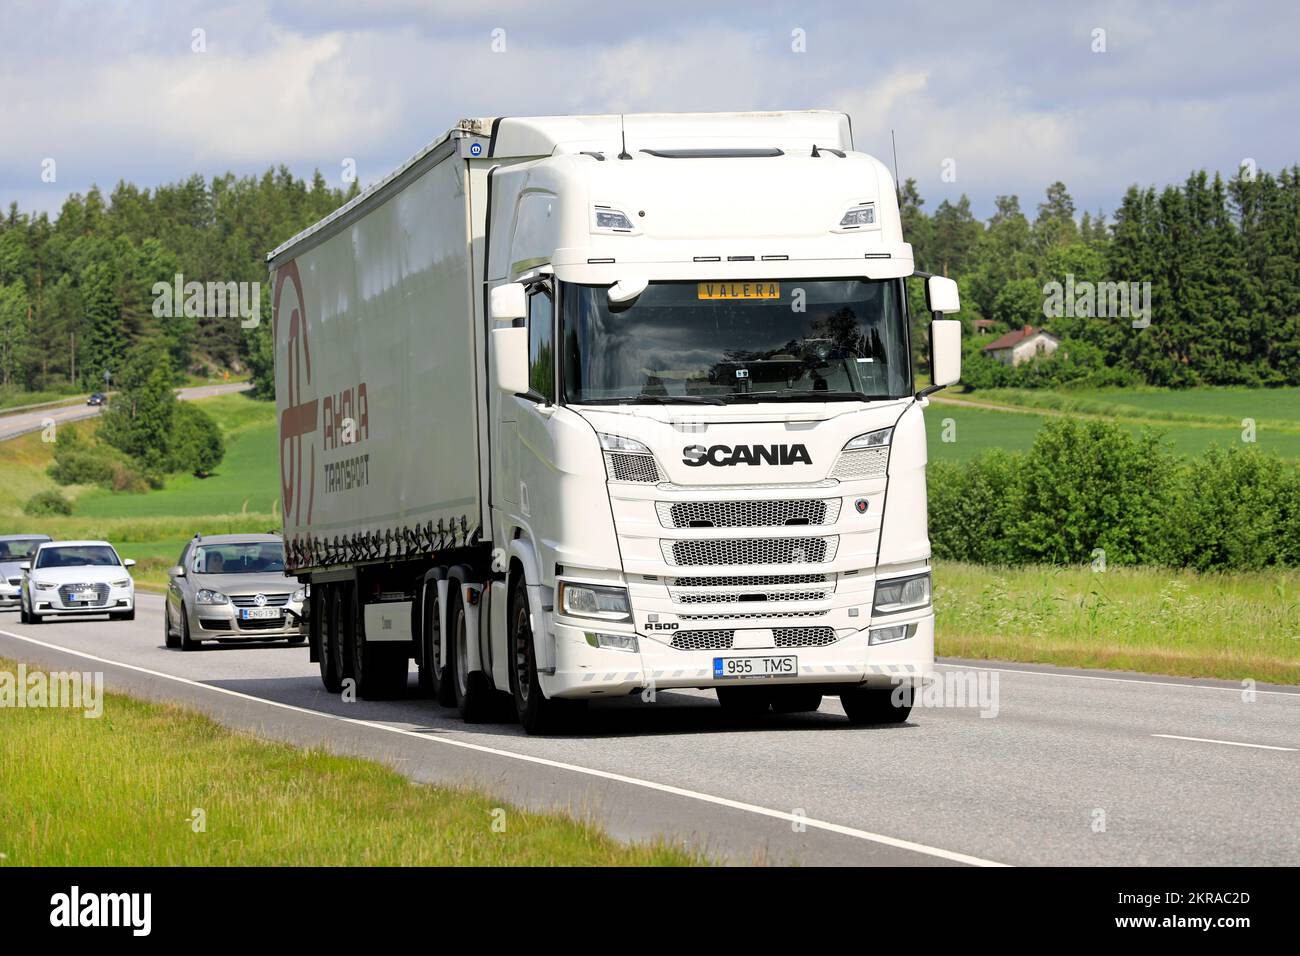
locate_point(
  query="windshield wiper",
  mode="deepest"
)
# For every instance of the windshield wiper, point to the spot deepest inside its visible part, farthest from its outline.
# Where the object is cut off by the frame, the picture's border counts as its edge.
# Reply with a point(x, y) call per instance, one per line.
point(656, 400)
point(825, 396)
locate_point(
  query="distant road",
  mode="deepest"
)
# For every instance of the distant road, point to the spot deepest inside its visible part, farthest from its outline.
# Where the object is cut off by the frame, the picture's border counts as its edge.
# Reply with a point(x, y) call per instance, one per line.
point(20, 423)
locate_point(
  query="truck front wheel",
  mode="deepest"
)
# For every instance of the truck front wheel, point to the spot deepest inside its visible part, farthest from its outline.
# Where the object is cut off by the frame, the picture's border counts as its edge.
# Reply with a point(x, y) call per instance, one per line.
point(537, 713)
point(873, 705)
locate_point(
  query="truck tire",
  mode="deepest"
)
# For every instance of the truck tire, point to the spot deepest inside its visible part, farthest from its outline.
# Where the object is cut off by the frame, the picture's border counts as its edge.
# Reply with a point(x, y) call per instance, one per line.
point(320, 623)
point(793, 699)
point(472, 694)
point(339, 637)
point(537, 714)
point(379, 669)
point(873, 705)
point(434, 682)
point(745, 701)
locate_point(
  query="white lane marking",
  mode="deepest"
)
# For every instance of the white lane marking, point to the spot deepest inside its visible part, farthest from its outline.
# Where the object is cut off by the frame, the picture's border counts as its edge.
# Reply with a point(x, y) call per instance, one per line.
point(1117, 680)
point(1226, 743)
point(559, 765)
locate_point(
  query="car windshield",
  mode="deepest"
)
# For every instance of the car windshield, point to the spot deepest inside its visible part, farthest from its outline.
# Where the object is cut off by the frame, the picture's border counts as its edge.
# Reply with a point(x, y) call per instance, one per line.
point(262, 557)
point(77, 556)
point(17, 549)
point(723, 342)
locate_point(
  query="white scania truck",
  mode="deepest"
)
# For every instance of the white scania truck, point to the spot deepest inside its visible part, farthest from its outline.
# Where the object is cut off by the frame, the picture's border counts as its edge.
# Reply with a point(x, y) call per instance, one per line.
point(581, 407)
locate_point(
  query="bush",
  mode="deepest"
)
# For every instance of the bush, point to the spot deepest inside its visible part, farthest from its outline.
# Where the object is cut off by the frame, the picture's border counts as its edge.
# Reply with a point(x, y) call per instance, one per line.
point(1093, 485)
point(45, 503)
point(196, 445)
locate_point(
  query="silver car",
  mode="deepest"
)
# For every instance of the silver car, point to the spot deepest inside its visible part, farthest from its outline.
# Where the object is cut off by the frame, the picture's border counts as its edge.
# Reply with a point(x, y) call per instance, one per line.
point(232, 587)
point(15, 549)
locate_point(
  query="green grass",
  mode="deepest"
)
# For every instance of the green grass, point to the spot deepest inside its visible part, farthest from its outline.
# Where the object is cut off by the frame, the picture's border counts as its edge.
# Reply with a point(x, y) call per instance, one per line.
point(120, 790)
point(16, 398)
point(1232, 625)
point(1014, 429)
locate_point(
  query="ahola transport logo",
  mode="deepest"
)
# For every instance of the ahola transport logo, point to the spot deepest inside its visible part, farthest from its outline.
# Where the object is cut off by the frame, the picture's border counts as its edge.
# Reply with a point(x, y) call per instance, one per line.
point(298, 420)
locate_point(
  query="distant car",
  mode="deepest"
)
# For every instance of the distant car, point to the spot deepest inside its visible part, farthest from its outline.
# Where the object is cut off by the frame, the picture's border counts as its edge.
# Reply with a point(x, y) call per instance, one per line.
point(74, 579)
point(14, 550)
point(232, 587)
point(96, 399)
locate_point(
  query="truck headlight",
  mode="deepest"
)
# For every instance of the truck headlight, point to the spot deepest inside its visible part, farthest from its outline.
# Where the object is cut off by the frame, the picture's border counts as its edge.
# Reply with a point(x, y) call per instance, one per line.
point(594, 600)
point(625, 446)
point(902, 594)
point(880, 438)
point(206, 596)
point(887, 635)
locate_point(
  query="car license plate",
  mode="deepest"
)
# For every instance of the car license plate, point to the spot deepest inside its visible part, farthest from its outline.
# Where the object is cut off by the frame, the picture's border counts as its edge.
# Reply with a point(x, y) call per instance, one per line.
point(753, 668)
point(738, 290)
point(85, 597)
point(259, 613)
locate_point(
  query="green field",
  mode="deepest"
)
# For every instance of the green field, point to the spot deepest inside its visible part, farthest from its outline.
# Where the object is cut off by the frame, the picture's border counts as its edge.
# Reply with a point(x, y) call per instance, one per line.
point(1190, 420)
point(122, 789)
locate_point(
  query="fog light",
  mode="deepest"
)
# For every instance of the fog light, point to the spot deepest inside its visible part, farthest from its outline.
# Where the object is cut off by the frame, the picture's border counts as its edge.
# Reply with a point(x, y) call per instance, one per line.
point(618, 642)
point(887, 635)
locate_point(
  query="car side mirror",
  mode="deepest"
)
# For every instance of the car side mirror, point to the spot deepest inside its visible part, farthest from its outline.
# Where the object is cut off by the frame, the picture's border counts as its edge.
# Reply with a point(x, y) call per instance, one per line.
point(510, 360)
point(508, 302)
point(129, 563)
point(25, 566)
point(177, 572)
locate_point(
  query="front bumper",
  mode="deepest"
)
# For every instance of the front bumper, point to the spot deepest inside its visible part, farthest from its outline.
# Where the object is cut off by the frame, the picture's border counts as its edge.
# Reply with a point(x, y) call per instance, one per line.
point(10, 596)
point(117, 601)
point(221, 622)
point(585, 671)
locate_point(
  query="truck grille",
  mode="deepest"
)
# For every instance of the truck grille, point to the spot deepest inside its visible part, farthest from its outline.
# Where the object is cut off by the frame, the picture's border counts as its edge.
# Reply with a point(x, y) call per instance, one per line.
point(740, 597)
point(750, 551)
point(68, 591)
point(624, 467)
point(864, 463)
point(748, 514)
point(723, 640)
point(748, 581)
point(804, 636)
point(750, 616)
point(703, 640)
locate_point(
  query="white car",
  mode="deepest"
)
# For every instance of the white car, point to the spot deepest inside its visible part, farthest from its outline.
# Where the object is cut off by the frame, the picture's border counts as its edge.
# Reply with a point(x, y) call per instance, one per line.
point(76, 578)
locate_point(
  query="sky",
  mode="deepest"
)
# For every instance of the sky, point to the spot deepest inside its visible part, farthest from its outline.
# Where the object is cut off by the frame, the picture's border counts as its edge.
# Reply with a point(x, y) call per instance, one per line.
point(984, 98)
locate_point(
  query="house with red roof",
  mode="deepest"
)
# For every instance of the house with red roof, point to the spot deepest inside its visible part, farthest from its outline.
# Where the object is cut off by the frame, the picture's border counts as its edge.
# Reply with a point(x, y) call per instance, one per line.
point(1022, 345)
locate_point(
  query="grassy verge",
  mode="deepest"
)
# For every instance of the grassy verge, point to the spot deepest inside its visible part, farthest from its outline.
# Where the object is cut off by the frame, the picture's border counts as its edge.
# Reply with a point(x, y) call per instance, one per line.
point(121, 790)
point(1175, 622)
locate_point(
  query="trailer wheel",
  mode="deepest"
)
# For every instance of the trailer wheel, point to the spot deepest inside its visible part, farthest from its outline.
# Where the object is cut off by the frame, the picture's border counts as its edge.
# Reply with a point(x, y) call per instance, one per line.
point(339, 626)
point(873, 705)
point(379, 669)
point(538, 714)
point(319, 625)
point(472, 693)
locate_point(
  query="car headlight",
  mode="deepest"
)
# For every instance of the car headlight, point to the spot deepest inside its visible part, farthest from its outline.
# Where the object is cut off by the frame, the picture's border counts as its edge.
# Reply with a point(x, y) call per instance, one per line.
point(902, 594)
point(120, 584)
point(299, 596)
point(594, 600)
point(44, 585)
point(880, 438)
point(206, 596)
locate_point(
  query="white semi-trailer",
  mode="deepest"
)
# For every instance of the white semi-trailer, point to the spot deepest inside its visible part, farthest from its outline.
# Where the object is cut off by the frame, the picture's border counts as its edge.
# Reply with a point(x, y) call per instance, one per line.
point(580, 407)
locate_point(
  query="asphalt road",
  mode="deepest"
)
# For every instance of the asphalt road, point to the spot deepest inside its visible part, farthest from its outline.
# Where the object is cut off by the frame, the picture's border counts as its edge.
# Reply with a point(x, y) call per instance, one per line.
point(1076, 768)
point(20, 423)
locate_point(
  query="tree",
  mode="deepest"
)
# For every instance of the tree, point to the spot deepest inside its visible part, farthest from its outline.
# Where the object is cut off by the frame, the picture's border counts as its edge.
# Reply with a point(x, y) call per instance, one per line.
point(196, 444)
point(139, 419)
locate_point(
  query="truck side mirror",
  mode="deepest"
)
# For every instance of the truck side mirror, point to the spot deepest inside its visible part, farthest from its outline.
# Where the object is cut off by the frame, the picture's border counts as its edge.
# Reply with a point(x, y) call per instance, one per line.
point(941, 295)
point(510, 358)
point(945, 350)
point(508, 302)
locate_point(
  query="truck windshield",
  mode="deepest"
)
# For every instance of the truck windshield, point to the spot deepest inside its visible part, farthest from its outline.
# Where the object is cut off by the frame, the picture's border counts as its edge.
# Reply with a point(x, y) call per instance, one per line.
point(736, 341)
